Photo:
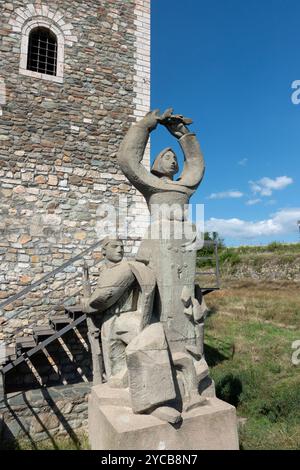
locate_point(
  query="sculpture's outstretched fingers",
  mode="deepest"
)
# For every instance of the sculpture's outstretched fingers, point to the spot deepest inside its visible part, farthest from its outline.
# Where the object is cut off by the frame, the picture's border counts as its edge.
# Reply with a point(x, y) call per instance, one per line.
point(154, 111)
point(166, 115)
point(186, 120)
point(150, 120)
point(180, 118)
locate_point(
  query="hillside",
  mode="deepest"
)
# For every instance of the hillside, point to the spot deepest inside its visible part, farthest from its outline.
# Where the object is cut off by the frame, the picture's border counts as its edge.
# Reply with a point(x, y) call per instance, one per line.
point(276, 261)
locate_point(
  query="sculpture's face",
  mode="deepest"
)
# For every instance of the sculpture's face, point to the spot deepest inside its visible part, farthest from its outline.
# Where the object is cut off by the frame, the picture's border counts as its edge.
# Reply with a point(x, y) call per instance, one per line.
point(169, 164)
point(114, 251)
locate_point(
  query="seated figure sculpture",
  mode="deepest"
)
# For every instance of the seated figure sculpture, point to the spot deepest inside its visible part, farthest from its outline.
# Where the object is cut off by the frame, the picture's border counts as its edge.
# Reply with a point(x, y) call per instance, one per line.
point(135, 350)
point(110, 299)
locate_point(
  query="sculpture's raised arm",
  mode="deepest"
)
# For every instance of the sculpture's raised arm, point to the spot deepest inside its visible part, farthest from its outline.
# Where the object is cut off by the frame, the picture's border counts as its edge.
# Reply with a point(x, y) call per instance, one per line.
point(193, 170)
point(132, 150)
point(131, 154)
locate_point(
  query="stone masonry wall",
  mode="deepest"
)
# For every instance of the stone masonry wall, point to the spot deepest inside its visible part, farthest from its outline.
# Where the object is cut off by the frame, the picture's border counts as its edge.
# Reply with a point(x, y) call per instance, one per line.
point(58, 143)
point(45, 414)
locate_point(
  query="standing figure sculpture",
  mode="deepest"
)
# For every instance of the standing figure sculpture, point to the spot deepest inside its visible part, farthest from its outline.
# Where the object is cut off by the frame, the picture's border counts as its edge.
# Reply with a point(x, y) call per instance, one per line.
point(169, 248)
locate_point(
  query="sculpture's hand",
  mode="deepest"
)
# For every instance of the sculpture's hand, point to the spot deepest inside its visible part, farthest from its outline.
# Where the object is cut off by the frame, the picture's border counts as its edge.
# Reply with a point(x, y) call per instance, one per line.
point(152, 118)
point(178, 130)
point(85, 305)
point(177, 125)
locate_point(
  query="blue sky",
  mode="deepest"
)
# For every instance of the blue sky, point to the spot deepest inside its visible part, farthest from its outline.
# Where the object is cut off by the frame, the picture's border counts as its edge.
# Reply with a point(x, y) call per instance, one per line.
point(229, 65)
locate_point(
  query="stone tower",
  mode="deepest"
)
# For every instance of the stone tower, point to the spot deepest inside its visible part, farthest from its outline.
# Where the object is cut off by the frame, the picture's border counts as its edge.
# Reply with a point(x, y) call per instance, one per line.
point(73, 75)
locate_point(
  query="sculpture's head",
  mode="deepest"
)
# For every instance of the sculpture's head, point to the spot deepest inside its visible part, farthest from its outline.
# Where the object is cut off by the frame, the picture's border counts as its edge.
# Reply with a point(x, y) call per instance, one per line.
point(113, 249)
point(165, 164)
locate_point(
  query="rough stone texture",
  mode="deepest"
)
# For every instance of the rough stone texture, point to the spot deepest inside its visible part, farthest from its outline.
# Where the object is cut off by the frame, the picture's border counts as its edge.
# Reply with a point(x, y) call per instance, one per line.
point(209, 427)
point(122, 302)
point(1, 387)
point(47, 413)
point(158, 186)
point(58, 141)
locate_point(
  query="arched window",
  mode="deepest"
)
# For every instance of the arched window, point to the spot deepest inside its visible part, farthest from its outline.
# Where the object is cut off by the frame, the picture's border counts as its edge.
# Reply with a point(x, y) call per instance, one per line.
point(44, 34)
point(42, 51)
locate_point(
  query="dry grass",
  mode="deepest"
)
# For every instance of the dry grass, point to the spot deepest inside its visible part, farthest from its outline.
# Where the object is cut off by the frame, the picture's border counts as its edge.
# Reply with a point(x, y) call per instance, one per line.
point(249, 334)
point(274, 302)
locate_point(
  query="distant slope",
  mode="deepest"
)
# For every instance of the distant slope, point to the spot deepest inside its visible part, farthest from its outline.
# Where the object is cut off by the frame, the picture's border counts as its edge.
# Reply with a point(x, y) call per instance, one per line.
point(276, 261)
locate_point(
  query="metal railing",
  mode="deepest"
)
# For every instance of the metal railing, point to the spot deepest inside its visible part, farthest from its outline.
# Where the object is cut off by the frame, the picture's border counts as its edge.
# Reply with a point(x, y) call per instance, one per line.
point(216, 265)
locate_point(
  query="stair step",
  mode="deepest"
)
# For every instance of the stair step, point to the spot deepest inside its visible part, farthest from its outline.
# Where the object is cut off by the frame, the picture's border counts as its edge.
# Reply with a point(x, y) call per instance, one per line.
point(59, 322)
point(74, 311)
point(25, 343)
point(8, 354)
point(42, 332)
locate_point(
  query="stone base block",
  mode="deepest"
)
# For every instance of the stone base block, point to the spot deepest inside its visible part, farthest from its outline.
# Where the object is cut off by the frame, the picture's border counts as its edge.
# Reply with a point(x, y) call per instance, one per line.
point(115, 427)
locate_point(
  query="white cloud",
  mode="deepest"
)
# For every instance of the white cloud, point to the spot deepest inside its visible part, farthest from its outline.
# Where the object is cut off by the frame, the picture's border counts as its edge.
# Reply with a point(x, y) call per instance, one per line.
point(243, 162)
point(226, 195)
point(265, 186)
point(280, 223)
point(270, 202)
point(252, 202)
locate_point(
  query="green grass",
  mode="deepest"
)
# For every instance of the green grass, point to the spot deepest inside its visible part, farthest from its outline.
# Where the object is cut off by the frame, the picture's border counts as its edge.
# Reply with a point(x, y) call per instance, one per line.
point(250, 361)
point(57, 443)
point(274, 247)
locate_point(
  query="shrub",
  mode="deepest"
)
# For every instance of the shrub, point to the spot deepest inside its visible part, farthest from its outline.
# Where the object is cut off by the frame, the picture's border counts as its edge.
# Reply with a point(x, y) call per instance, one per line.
point(231, 257)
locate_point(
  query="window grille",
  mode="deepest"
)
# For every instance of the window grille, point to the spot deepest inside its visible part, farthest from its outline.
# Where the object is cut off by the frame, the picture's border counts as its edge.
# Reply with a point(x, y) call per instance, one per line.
point(42, 51)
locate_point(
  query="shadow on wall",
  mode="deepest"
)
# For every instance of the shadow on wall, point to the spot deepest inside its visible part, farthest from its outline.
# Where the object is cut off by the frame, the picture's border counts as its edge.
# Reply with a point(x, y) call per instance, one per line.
point(7, 439)
point(45, 414)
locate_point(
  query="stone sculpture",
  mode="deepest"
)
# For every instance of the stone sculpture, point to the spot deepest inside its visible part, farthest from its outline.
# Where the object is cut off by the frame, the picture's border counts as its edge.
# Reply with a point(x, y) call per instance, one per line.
point(179, 306)
point(153, 312)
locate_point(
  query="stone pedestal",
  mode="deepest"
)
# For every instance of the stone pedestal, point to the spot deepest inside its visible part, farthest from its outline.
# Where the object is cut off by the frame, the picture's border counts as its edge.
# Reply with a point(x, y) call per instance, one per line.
point(113, 425)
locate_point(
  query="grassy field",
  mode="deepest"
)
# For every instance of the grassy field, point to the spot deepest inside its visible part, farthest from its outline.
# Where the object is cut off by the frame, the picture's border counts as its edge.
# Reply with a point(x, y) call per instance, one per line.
point(249, 333)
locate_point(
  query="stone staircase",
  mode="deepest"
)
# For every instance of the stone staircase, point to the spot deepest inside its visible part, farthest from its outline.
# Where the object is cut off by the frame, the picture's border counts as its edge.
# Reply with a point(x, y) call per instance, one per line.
point(42, 336)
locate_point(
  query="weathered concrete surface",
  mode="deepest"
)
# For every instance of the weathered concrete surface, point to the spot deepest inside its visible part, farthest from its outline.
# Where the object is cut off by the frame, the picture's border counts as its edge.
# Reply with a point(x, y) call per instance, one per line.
point(208, 427)
point(150, 374)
